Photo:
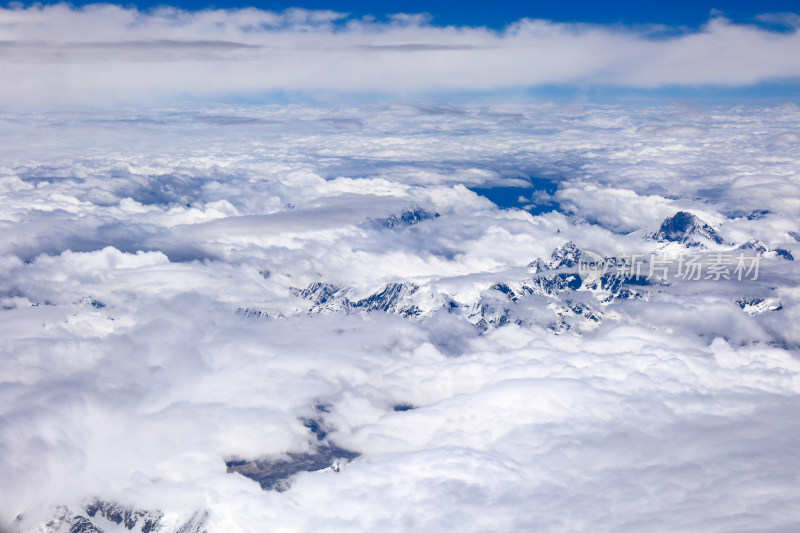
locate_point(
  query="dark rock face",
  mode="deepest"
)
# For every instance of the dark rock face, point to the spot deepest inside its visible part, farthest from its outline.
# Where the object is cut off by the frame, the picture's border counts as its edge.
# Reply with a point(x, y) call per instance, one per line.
point(683, 227)
point(249, 312)
point(490, 313)
point(618, 288)
point(760, 248)
point(134, 520)
point(96, 514)
point(111, 512)
point(276, 474)
point(390, 299)
point(318, 293)
point(407, 218)
point(316, 426)
point(538, 265)
point(83, 525)
point(554, 285)
point(746, 302)
point(565, 257)
point(505, 289)
point(758, 214)
point(755, 245)
point(324, 297)
point(753, 306)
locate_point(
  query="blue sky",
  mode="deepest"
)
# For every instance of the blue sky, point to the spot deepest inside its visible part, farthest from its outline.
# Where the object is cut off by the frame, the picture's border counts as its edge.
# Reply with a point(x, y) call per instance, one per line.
point(501, 12)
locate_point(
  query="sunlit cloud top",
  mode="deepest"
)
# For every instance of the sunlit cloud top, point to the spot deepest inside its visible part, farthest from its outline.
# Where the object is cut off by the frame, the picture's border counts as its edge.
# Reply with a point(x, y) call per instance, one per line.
point(98, 53)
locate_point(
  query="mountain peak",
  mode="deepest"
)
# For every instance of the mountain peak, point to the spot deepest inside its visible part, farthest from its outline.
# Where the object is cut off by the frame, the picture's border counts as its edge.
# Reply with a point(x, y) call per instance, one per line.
point(565, 256)
point(409, 217)
point(682, 227)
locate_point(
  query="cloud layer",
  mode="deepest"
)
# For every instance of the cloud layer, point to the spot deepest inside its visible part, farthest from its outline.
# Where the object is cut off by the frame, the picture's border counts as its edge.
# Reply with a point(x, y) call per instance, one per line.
point(104, 53)
point(150, 331)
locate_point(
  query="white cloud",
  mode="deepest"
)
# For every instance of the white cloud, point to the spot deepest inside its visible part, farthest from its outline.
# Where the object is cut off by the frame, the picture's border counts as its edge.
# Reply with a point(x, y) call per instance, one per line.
point(56, 55)
point(127, 374)
point(615, 208)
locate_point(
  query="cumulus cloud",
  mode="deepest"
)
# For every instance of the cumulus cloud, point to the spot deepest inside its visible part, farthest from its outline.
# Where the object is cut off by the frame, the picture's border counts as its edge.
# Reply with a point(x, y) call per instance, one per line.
point(614, 208)
point(156, 326)
point(104, 53)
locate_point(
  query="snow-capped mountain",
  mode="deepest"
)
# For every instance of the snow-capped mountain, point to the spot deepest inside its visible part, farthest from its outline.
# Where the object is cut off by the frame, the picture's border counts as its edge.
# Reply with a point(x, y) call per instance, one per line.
point(572, 290)
point(555, 286)
point(105, 517)
point(685, 228)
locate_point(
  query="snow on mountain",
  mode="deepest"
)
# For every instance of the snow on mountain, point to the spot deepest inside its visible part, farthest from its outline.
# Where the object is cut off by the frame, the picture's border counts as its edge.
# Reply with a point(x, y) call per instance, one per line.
point(406, 218)
point(686, 228)
point(556, 283)
point(243, 317)
point(105, 517)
